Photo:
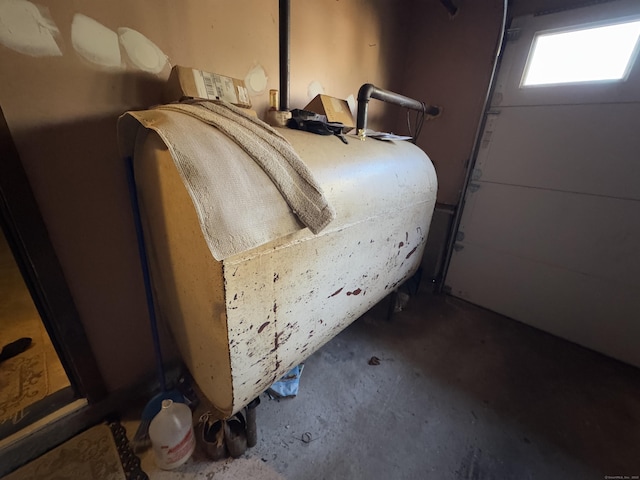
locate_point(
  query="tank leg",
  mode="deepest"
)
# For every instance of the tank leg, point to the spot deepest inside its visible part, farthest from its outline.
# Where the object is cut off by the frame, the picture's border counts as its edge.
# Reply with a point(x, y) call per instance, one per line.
point(252, 428)
point(393, 299)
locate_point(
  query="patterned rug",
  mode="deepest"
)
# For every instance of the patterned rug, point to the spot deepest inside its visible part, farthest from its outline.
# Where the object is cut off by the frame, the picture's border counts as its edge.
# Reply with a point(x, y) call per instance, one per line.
point(101, 452)
point(35, 373)
point(23, 381)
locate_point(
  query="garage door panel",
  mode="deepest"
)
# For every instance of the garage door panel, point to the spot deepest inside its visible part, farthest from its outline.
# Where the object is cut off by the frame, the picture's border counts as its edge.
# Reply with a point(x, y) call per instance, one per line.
point(550, 227)
point(584, 309)
point(588, 235)
point(576, 148)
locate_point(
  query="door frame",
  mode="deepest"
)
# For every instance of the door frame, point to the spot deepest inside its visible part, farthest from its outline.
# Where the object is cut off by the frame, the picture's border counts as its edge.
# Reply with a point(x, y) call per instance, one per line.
point(28, 238)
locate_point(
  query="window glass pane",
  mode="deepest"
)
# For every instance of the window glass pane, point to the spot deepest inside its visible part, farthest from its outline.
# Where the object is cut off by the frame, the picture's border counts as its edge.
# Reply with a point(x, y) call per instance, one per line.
point(587, 55)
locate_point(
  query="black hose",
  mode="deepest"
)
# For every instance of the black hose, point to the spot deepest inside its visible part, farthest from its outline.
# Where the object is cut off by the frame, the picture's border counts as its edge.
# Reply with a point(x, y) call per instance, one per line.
point(146, 276)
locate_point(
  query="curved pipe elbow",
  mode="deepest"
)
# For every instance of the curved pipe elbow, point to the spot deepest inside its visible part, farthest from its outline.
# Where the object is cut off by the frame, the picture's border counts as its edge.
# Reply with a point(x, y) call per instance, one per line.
point(368, 91)
point(364, 94)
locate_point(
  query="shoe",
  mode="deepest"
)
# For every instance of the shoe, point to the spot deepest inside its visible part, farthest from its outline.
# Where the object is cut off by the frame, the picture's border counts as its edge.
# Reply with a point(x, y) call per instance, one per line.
point(14, 348)
point(235, 435)
point(210, 435)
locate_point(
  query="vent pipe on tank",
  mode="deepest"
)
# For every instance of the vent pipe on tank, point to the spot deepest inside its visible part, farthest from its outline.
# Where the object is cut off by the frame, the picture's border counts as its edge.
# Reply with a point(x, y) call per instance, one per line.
point(368, 91)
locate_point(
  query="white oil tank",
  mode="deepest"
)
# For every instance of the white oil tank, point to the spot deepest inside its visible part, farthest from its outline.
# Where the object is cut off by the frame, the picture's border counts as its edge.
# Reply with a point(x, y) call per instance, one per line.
point(244, 320)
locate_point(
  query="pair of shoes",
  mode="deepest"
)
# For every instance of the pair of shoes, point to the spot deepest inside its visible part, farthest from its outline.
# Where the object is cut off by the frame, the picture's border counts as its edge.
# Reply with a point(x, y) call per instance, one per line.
point(235, 435)
point(220, 438)
point(14, 348)
point(210, 434)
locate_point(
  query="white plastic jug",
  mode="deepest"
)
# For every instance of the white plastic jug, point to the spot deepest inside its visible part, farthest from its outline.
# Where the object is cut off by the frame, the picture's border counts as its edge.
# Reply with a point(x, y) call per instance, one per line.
point(171, 433)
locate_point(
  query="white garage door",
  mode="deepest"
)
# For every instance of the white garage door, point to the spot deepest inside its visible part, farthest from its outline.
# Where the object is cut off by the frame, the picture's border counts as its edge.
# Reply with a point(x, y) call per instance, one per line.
point(550, 231)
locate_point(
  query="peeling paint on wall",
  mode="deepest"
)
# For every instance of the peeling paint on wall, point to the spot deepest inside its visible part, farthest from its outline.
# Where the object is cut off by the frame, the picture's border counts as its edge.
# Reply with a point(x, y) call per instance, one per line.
point(256, 80)
point(314, 88)
point(142, 52)
point(95, 43)
point(353, 106)
point(28, 28)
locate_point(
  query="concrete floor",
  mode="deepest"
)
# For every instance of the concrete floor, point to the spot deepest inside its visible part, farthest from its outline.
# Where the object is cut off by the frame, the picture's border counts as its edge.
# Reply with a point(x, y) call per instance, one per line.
point(459, 393)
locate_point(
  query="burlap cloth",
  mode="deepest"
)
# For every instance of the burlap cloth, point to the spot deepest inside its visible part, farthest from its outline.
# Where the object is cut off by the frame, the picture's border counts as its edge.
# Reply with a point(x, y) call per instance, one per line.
point(236, 209)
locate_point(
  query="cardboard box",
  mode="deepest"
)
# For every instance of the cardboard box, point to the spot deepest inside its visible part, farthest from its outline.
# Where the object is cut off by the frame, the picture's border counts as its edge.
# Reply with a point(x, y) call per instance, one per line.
point(335, 109)
point(192, 83)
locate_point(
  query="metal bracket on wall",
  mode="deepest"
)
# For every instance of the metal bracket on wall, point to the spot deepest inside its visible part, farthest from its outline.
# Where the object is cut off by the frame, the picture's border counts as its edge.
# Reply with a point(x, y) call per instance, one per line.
point(473, 187)
point(513, 34)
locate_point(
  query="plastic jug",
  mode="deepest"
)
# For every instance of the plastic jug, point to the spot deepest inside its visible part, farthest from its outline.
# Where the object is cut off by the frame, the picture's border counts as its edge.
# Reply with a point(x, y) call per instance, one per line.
point(171, 433)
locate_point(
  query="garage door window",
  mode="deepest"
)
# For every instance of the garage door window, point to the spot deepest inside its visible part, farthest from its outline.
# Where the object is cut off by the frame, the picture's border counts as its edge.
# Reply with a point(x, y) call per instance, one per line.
point(594, 54)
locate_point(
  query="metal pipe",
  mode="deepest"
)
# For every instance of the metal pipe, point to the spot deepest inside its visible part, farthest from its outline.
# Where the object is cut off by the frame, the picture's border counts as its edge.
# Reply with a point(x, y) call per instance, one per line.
point(284, 19)
point(368, 91)
point(252, 427)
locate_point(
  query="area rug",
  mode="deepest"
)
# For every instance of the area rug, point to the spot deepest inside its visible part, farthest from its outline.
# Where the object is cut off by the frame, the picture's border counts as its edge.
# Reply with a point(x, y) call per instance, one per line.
point(102, 452)
point(23, 381)
point(35, 373)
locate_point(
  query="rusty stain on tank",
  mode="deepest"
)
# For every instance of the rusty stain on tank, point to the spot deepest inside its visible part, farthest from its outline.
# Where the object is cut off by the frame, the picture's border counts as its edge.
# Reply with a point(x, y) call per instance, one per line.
point(263, 326)
point(357, 291)
point(275, 307)
point(282, 337)
point(335, 293)
point(411, 252)
point(401, 244)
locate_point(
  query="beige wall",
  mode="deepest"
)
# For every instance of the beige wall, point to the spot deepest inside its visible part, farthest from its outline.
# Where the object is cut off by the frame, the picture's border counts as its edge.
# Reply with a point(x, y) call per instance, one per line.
point(452, 69)
point(62, 114)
